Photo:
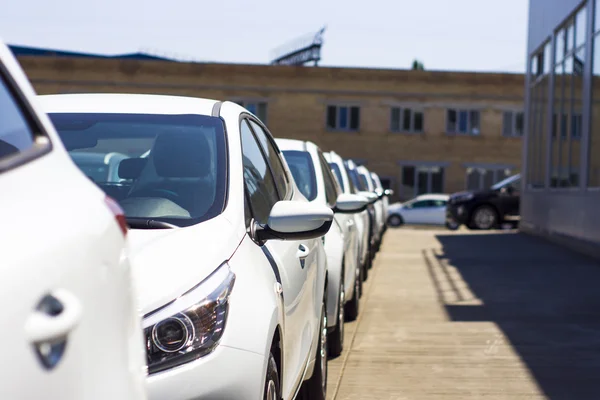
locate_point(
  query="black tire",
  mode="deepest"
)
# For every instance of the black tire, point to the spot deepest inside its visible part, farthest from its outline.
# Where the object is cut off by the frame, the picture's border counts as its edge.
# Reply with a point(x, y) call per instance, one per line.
point(453, 226)
point(352, 307)
point(367, 265)
point(336, 336)
point(395, 220)
point(484, 217)
point(315, 388)
point(272, 384)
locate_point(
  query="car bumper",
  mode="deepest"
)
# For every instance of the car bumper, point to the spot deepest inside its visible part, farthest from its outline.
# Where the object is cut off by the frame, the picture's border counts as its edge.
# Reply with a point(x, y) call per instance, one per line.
point(457, 213)
point(227, 373)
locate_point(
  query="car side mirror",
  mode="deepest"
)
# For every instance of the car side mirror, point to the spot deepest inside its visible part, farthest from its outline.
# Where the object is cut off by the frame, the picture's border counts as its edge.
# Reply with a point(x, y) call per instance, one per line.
point(294, 220)
point(370, 196)
point(350, 203)
point(388, 192)
point(507, 190)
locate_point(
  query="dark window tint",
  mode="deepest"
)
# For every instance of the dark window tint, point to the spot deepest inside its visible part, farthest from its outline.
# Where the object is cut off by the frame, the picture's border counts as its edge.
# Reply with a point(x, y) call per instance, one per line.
point(331, 191)
point(395, 116)
point(15, 133)
point(338, 173)
point(408, 180)
point(303, 171)
point(422, 204)
point(331, 117)
point(279, 174)
point(354, 118)
point(170, 168)
point(418, 121)
point(257, 176)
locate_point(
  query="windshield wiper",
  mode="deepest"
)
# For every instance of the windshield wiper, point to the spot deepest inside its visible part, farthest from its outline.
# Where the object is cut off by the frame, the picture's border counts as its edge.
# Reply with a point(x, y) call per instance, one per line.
point(145, 223)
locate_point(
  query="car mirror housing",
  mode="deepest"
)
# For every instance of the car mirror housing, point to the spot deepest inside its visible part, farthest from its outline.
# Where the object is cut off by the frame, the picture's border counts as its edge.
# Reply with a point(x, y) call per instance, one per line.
point(370, 196)
point(294, 220)
point(350, 204)
point(388, 192)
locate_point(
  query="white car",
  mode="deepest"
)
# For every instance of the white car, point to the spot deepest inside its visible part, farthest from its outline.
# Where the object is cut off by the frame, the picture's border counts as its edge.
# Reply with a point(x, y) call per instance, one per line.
point(317, 183)
point(226, 250)
point(361, 219)
point(72, 328)
point(367, 179)
point(427, 209)
point(383, 194)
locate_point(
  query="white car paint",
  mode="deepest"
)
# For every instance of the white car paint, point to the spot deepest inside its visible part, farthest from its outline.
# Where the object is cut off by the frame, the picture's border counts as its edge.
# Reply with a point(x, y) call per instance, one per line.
point(61, 237)
point(341, 242)
point(361, 219)
point(427, 209)
point(379, 216)
point(278, 286)
point(381, 192)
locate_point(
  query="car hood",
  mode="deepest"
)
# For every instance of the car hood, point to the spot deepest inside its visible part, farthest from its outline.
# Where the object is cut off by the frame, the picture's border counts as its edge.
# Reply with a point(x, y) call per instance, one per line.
point(168, 262)
point(477, 194)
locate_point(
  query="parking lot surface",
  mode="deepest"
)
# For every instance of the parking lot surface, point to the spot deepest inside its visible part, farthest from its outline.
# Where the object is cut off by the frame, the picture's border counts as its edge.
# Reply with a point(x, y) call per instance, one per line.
point(463, 315)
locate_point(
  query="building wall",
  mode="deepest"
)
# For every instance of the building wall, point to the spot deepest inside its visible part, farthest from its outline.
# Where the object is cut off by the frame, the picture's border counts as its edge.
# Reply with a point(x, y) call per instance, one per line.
point(297, 101)
point(562, 159)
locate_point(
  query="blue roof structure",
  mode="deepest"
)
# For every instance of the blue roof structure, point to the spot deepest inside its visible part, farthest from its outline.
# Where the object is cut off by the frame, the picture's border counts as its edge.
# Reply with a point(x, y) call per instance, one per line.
point(38, 51)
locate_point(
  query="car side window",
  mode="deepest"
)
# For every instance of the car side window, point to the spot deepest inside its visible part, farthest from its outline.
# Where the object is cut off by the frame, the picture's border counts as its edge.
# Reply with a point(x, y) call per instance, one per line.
point(259, 182)
point(439, 203)
point(331, 189)
point(16, 134)
point(422, 204)
point(274, 157)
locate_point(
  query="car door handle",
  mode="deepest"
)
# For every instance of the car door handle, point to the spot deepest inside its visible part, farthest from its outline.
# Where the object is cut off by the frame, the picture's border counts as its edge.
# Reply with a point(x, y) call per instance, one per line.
point(302, 252)
point(55, 317)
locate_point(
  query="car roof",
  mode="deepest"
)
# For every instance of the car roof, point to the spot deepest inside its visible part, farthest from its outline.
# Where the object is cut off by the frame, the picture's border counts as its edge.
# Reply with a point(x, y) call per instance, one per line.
point(433, 196)
point(295, 144)
point(123, 103)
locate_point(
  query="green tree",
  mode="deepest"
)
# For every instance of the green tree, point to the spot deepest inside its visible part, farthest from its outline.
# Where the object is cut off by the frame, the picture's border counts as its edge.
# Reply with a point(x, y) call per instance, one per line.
point(418, 65)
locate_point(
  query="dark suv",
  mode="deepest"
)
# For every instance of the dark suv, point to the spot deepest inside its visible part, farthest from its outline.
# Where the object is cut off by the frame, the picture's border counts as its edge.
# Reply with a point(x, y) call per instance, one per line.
point(485, 209)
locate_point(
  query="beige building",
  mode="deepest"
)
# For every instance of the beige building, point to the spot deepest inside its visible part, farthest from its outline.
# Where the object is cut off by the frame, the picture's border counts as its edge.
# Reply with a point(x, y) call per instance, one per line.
point(421, 131)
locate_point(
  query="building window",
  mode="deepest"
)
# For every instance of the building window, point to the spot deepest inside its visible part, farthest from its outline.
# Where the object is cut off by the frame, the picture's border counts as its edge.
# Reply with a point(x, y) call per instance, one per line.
point(343, 118)
point(258, 108)
point(406, 120)
point(567, 130)
point(594, 145)
point(513, 123)
point(537, 132)
point(420, 179)
point(483, 177)
point(465, 122)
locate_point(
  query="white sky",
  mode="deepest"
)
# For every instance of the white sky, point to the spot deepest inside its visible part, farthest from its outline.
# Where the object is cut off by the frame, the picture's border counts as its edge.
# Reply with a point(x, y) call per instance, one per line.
point(469, 35)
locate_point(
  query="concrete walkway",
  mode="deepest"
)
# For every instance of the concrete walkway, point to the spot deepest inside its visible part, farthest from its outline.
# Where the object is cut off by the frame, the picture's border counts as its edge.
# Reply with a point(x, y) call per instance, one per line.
point(463, 315)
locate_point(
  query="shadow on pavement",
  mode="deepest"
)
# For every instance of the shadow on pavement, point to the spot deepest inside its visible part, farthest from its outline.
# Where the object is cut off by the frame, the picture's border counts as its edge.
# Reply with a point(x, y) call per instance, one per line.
point(544, 298)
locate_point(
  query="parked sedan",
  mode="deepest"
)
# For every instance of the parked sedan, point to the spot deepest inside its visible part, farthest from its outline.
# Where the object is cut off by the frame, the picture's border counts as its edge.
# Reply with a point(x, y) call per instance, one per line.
point(365, 176)
point(486, 209)
point(427, 209)
point(226, 250)
point(317, 183)
point(71, 324)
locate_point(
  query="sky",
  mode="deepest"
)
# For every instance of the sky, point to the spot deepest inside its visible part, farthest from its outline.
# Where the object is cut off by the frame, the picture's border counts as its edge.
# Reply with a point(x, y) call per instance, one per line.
point(459, 35)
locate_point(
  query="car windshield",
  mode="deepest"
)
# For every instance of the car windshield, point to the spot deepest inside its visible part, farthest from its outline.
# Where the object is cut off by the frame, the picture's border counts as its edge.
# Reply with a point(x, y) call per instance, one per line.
point(303, 171)
point(165, 168)
point(365, 183)
point(356, 181)
point(336, 169)
point(510, 181)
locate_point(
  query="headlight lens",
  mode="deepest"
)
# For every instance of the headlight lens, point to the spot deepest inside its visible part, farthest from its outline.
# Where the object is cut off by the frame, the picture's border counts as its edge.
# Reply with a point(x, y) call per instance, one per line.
point(195, 326)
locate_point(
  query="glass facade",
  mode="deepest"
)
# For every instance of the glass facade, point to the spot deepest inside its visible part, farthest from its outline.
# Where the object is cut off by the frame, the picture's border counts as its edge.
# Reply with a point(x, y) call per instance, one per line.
point(558, 109)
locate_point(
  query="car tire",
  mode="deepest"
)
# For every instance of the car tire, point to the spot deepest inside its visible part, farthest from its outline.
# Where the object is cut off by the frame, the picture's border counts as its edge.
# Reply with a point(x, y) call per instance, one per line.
point(336, 336)
point(352, 306)
point(315, 388)
point(453, 226)
point(367, 265)
point(484, 217)
point(272, 384)
point(395, 221)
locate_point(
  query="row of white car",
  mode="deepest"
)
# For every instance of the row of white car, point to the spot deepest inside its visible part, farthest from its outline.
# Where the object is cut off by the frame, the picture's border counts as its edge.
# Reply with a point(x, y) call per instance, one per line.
point(168, 247)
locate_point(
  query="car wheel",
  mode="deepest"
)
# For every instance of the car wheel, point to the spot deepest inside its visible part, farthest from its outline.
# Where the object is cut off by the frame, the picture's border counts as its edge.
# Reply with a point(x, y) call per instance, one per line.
point(336, 337)
point(353, 305)
point(484, 217)
point(452, 225)
point(395, 220)
point(316, 387)
point(272, 386)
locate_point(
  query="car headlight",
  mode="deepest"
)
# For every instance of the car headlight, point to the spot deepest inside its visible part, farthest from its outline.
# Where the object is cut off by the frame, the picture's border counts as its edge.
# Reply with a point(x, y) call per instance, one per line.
point(195, 325)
